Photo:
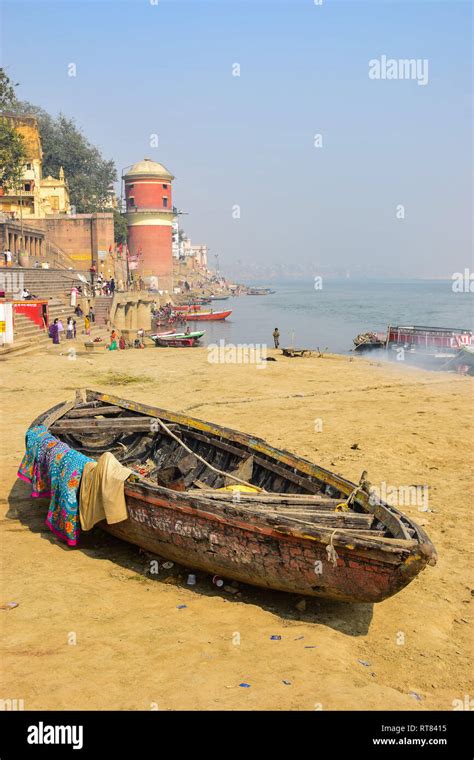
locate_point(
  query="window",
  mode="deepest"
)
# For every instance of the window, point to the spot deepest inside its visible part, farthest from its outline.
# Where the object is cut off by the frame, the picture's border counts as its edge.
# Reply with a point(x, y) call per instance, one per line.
point(165, 202)
point(27, 187)
point(131, 201)
point(165, 187)
point(28, 167)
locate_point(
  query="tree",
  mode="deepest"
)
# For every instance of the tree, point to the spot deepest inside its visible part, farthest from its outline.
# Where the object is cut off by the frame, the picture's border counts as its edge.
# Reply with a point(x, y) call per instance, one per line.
point(88, 174)
point(7, 91)
point(12, 156)
point(120, 227)
point(12, 147)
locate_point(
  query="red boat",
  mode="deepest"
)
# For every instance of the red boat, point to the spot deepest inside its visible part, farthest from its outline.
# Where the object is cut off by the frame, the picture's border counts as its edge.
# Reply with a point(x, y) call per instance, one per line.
point(207, 316)
point(429, 338)
point(174, 342)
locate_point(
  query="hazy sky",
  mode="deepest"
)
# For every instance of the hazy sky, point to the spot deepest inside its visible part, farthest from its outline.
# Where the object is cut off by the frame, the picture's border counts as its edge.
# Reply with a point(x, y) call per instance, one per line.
point(248, 140)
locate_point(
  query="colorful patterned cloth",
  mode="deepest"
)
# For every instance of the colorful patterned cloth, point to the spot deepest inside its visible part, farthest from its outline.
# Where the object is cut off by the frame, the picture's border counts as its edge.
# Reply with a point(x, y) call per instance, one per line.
point(54, 471)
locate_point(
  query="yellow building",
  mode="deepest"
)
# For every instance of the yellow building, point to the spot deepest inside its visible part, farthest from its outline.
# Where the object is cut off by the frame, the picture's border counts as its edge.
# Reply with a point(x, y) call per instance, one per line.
point(36, 197)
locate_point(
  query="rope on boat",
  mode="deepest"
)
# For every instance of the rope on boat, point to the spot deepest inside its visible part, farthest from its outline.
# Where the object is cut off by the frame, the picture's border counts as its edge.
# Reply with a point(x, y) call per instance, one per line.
point(211, 467)
point(364, 485)
point(331, 552)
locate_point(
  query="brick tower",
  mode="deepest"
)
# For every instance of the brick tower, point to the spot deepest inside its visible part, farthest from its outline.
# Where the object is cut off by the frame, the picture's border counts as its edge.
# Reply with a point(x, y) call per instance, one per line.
point(149, 220)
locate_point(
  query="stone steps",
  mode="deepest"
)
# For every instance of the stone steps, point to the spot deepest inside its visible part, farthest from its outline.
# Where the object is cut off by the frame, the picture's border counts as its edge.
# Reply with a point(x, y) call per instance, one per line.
point(30, 338)
point(43, 283)
point(102, 306)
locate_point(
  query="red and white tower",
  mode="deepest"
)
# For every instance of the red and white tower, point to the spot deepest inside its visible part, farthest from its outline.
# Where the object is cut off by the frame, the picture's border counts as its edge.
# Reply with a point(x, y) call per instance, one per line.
point(149, 219)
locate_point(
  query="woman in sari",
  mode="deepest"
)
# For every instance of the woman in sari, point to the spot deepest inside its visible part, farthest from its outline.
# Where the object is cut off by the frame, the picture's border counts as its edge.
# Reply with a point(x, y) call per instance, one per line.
point(54, 332)
point(113, 341)
point(87, 325)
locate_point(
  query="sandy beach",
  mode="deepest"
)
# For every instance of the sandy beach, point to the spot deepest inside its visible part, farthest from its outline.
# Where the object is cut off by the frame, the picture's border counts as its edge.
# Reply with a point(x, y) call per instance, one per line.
point(93, 630)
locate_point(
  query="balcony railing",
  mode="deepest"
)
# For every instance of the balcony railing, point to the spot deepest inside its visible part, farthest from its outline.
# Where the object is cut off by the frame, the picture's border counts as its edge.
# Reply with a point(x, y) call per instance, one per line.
point(18, 194)
point(139, 210)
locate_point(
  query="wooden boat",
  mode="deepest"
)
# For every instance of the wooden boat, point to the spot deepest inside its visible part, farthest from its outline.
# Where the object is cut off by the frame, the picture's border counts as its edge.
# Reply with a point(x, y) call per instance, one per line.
point(260, 292)
point(184, 341)
point(207, 316)
point(291, 534)
point(466, 356)
point(292, 353)
point(196, 335)
point(369, 341)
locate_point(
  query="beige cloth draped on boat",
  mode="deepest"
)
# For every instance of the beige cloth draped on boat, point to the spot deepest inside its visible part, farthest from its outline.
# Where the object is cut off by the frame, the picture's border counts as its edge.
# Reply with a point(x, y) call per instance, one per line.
point(101, 496)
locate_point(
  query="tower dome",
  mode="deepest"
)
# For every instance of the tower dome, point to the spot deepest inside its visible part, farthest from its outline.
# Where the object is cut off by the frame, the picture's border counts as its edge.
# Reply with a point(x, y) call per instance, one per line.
point(148, 168)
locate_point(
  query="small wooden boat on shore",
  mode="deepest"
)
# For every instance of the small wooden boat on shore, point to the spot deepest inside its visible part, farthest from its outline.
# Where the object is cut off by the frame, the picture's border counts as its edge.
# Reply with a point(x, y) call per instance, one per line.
point(295, 527)
point(178, 339)
point(196, 334)
point(369, 341)
point(175, 342)
point(207, 316)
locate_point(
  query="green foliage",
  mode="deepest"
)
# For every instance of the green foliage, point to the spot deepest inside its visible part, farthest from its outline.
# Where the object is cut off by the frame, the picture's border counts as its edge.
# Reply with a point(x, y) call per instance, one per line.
point(12, 156)
point(120, 227)
point(12, 147)
point(7, 91)
point(88, 174)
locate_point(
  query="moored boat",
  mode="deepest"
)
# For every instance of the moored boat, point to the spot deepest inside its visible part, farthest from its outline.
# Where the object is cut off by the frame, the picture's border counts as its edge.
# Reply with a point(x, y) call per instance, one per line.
point(369, 341)
point(175, 342)
point(207, 316)
point(160, 338)
point(422, 338)
point(260, 292)
point(294, 527)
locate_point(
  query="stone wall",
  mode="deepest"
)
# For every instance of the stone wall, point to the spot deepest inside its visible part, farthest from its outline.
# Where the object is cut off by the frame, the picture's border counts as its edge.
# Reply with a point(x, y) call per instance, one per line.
point(131, 311)
point(82, 237)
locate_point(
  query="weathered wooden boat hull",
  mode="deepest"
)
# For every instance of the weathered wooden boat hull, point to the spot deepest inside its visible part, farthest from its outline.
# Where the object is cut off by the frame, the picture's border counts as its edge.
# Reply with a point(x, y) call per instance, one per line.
point(175, 342)
point(334, 554)
point(235, 549)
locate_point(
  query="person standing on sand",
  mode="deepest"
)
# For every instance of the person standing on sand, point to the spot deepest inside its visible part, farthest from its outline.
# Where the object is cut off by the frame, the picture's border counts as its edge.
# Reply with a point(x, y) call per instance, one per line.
point(60, 328)
point(276, 337)
point(53, 332)
point(113, 341)
point(70, 329)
